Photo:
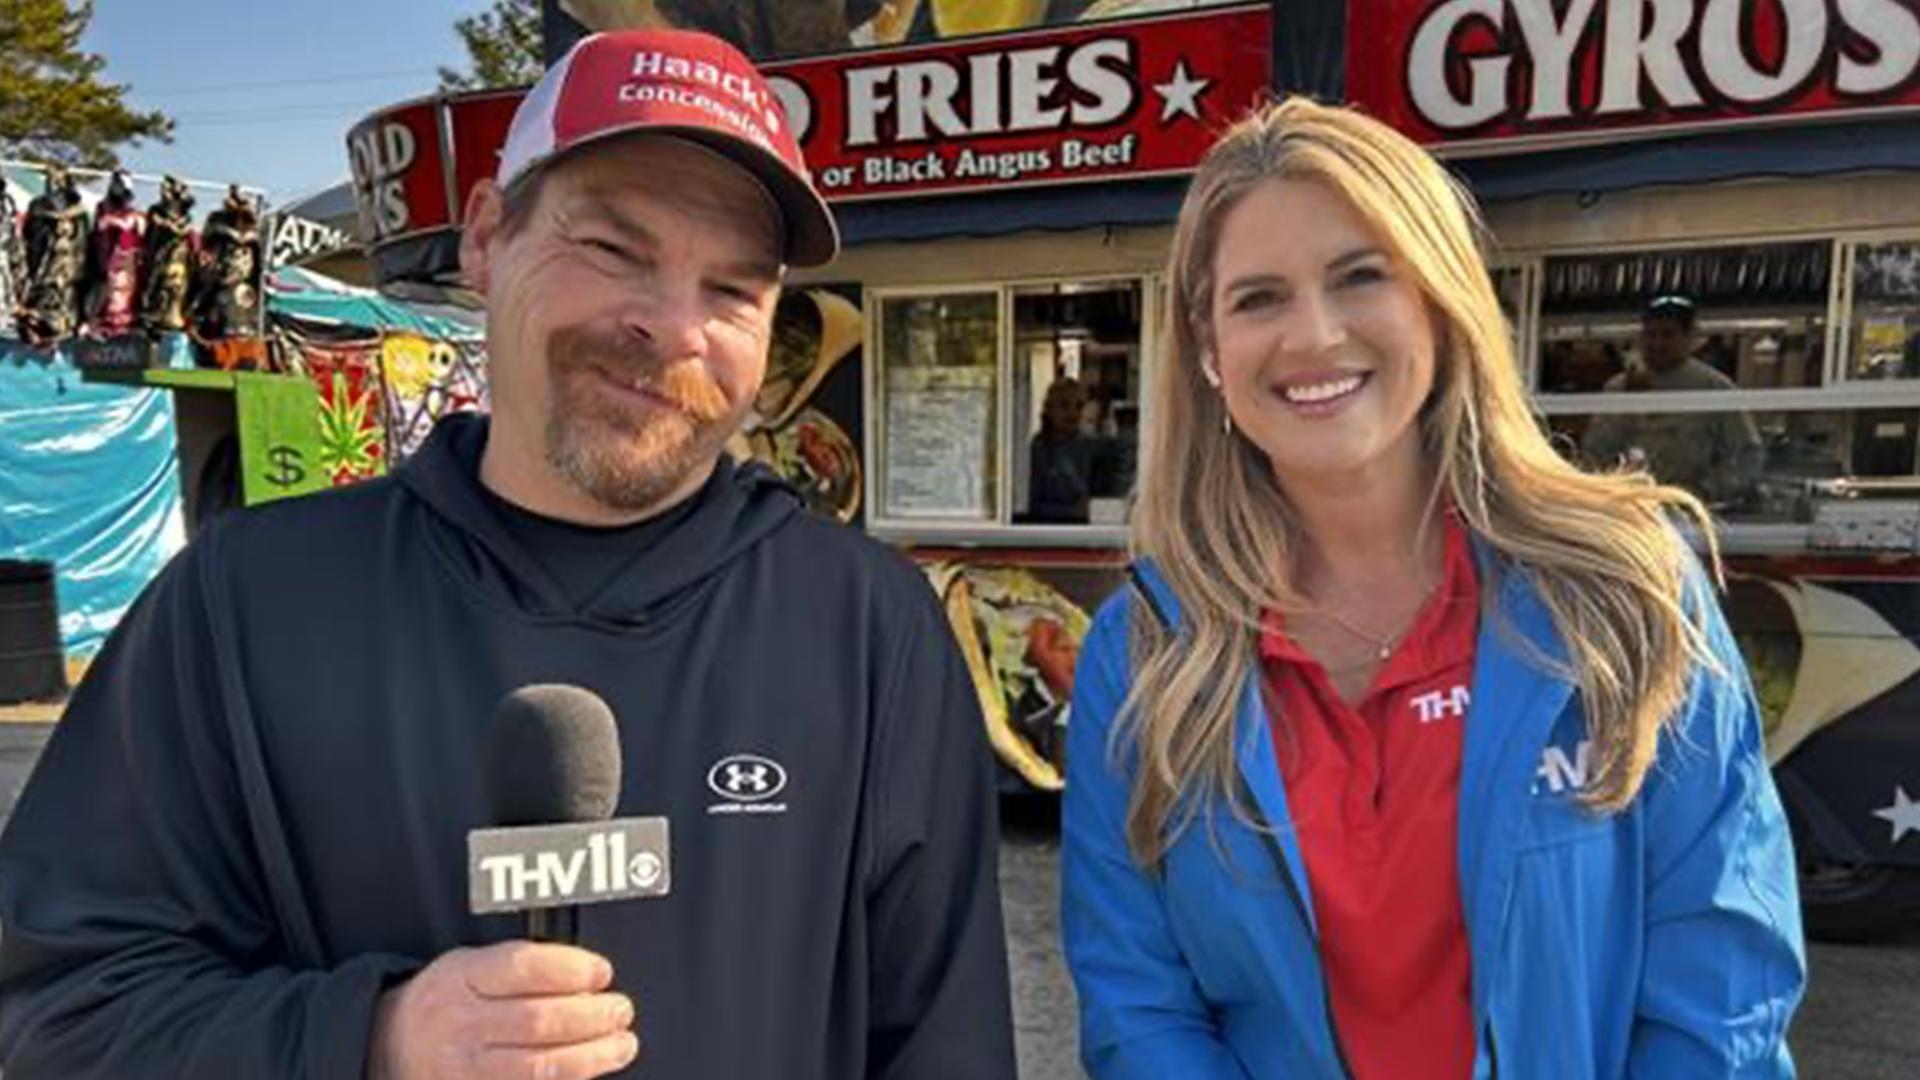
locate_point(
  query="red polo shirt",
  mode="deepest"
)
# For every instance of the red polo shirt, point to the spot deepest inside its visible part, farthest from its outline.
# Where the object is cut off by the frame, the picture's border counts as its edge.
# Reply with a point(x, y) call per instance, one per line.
point(1373, 791)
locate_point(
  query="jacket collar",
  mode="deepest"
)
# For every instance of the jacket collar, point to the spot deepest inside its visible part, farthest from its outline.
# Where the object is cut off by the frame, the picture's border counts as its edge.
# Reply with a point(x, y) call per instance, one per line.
point(1259, 768)
point(1517, 700)
point(739, 507)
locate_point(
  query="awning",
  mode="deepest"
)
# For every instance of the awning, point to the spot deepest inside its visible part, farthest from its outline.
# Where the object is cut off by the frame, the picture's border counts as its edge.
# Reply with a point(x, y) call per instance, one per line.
point(304, 294)
point(1766, 151)
point(1056, 209)
point(1803, 151)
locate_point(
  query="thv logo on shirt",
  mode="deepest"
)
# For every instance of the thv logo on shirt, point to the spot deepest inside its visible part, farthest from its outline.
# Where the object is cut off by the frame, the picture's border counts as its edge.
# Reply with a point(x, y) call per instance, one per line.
point(1561, 773)
point(1441, 704)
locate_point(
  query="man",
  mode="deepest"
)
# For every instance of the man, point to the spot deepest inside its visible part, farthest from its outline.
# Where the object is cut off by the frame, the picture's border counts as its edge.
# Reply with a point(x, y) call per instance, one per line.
point(1714, 455)
point(242, 854)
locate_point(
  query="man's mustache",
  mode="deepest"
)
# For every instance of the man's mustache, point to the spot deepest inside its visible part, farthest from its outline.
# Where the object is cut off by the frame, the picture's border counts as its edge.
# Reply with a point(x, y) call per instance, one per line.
point(685, 384)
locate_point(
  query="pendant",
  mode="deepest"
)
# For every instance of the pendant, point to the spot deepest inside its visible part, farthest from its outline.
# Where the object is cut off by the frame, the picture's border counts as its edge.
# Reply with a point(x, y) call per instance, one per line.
point(1386, 649)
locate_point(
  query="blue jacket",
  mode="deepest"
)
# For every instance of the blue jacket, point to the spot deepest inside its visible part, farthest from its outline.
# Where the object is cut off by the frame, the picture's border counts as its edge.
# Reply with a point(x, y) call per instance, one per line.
point(1663, 941)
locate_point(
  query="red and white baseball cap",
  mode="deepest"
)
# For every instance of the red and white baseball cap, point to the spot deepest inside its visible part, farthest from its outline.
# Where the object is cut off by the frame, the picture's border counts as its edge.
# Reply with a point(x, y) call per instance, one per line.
point(681, 83)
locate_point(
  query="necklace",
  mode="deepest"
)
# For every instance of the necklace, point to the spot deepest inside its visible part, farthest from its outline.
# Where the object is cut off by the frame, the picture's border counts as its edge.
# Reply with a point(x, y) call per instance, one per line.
point(1382, 645)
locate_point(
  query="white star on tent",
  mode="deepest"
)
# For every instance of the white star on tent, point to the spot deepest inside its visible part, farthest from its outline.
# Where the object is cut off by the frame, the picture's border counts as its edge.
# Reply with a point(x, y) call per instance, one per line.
point(1181, 94)
point(1904, 813)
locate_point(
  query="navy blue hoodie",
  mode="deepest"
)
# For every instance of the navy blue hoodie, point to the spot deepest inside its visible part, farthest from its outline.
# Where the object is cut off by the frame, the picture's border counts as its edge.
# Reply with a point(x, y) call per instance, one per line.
point(252, 818)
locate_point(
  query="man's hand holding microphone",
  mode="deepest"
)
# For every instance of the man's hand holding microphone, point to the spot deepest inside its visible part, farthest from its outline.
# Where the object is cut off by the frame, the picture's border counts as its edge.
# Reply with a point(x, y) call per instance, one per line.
point(541, 1008)
point(519, 1010)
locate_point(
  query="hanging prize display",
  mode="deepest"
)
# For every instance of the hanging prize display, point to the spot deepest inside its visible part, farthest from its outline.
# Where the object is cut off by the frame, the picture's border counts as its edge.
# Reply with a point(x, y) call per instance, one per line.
point(114, 258)
point(227, 302)
point(55, 242)
point(13, 261)
point(171, 248)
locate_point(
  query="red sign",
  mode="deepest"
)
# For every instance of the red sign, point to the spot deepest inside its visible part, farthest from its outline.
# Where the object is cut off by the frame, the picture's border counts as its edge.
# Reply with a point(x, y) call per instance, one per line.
point(1489, 75)
point(477, 126)
point(413, 164)
point(1126, 98)
point(399, 178)
point(1135, 98)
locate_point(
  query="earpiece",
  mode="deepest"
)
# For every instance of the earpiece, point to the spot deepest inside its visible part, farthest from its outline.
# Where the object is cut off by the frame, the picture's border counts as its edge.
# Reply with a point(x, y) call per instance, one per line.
point(1208, 371)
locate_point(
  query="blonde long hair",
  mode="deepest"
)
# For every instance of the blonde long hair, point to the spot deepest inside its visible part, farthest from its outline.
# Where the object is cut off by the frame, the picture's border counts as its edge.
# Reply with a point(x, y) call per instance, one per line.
point(1601, 549)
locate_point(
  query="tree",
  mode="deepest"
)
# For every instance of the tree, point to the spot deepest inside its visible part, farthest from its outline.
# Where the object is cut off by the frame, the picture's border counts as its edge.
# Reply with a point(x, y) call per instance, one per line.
point(503, 45)
point(53, 103)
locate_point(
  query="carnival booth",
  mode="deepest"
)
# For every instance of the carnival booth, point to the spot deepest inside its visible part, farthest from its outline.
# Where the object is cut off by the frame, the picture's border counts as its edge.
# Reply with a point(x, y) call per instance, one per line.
point(153, 372)
point(88, 484)
point(350, 384)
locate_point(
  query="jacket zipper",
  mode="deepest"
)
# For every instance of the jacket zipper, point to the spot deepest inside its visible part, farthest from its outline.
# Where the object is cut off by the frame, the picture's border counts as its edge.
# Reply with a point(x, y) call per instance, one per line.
point(1300, 905)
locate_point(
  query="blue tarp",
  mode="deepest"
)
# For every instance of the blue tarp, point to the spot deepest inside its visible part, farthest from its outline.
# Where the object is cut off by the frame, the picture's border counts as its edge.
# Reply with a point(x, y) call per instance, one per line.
point(88, 482)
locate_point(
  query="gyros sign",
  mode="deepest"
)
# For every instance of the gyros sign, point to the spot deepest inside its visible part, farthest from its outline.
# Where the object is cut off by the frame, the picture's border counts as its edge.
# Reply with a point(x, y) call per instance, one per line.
point(1492, 72)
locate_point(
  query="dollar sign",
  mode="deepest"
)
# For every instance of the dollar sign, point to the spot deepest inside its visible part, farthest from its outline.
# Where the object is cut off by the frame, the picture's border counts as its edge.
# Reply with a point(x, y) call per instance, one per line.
point(286, 467)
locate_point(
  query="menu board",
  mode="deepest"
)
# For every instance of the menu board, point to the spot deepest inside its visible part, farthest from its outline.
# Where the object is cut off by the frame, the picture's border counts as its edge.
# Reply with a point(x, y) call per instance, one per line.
point(939, 460)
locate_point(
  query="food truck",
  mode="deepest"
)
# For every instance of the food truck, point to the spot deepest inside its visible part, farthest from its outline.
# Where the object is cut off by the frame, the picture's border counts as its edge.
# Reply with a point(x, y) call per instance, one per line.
point(969, 379)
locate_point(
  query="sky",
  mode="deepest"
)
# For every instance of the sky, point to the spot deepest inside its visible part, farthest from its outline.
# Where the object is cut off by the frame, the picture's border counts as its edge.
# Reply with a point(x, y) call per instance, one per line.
point(263, 92)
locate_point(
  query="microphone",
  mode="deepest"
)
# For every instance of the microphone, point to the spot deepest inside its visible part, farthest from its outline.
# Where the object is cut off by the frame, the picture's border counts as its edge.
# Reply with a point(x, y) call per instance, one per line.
point(552, 782)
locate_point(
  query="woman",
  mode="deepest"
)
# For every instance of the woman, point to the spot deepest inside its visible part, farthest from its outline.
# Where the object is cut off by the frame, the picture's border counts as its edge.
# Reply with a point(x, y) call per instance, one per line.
point(1412, 750)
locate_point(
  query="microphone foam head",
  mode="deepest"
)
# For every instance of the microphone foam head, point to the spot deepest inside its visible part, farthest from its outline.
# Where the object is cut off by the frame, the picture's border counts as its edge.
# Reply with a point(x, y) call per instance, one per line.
point(553, 757)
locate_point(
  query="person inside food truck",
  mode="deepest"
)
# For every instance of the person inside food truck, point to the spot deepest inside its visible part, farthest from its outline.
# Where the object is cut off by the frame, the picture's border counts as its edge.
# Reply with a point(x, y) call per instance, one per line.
point(1715, 455)
point(1067, 467)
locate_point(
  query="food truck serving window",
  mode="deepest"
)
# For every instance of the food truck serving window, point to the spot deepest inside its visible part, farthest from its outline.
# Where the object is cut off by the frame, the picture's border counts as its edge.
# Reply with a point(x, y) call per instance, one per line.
point(1751, 466)
point(1774, 380)
point(1750, 316)
point(1008, 409)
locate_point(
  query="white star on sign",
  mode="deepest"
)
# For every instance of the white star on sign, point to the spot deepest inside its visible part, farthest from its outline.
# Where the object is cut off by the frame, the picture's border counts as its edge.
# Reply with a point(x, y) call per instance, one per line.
point(1904, 813)
point(1181, 94)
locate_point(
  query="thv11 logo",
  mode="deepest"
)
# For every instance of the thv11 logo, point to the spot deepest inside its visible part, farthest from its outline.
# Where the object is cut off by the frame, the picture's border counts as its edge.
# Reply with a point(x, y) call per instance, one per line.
point(518, 869)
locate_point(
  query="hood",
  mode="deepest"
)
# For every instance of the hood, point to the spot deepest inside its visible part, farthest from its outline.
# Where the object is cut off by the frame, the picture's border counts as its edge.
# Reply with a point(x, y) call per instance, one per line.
point(739, 506)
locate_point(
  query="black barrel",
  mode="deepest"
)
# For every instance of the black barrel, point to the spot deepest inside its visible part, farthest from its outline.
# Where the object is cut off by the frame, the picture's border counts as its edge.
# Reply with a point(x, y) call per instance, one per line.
point(33, 666)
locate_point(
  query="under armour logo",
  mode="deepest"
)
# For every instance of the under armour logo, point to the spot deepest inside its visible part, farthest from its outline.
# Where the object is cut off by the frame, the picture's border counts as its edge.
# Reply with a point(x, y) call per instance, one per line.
point(741, 779)
point(744, 778)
